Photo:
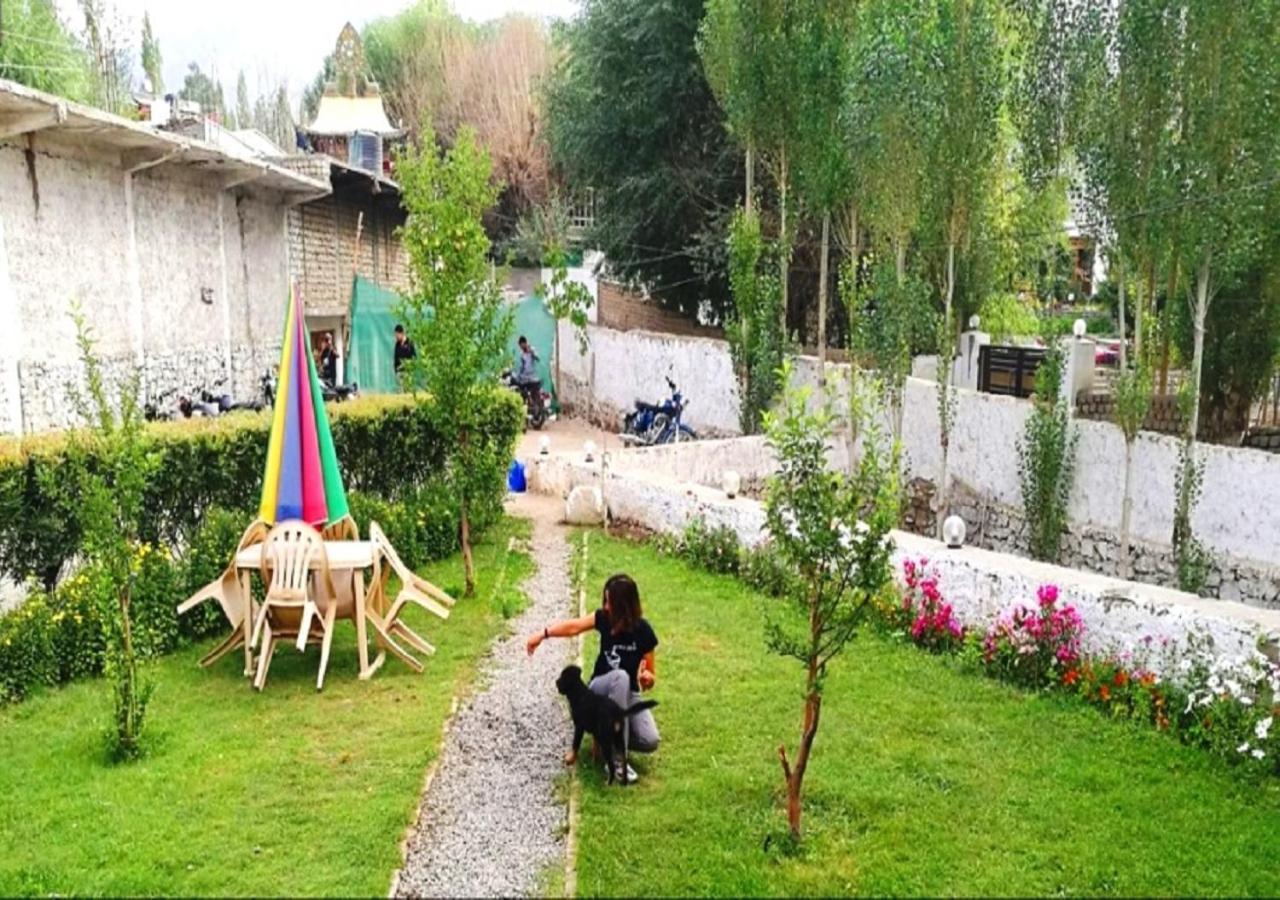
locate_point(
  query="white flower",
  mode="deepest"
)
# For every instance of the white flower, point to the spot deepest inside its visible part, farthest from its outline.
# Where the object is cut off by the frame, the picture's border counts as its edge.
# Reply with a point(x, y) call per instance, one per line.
point(1258, 754)
point(1246, 700)
point(1243, 748)
point(1263, 728)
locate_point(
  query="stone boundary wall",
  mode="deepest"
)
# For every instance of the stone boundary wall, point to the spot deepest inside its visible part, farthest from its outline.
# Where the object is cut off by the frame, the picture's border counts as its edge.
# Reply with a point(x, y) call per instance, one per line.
point(980, 584)
point(1238, 517)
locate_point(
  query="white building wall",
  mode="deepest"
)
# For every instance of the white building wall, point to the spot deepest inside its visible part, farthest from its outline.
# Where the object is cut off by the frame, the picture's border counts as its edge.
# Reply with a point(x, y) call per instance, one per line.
point(190, 238)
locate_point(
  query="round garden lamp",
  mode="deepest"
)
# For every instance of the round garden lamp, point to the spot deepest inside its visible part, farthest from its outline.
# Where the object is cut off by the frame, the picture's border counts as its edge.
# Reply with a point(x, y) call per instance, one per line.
point(1079, 328)
point(953, 530)
point(544, 445)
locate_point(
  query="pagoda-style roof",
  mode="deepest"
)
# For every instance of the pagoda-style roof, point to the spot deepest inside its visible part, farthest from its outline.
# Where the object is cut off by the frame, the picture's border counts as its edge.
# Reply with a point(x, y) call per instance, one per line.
point(339, 115)
point(351, 102)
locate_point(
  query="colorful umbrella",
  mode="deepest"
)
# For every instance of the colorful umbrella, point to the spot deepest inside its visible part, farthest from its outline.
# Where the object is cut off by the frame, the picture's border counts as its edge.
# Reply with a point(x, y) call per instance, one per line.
point(301, 479)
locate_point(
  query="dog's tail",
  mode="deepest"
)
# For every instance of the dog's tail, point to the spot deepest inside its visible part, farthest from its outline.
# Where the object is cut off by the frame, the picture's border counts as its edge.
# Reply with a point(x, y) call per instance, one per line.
point(639, 707)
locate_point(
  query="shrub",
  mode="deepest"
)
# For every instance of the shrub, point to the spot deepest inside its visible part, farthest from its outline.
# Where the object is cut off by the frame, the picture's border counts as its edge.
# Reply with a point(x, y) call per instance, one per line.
point(27, 658)
point(926, 617)
point(388, 446)
point(205, 560)
point(1006, 316)
point(1033, 647)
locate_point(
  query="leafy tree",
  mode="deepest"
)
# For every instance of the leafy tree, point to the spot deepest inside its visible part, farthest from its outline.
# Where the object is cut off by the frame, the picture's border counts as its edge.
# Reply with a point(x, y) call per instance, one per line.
point(567, 300)
point(198, 87)
point(967, 80)
point(152, 62)
point(111, 510)
point(110, 59)
point(832, 531)
point(244, 110)
point(454, 312)
point(38, 50)
point(824, 40)
point(753, 326)
point(312, 93)
point(630, 114)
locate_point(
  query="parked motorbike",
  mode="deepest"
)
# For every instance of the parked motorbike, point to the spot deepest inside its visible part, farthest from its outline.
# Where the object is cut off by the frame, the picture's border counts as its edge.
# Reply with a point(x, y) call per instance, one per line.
point(161, 408)
point(336, 393)
point(658, 423)
point(536, 400)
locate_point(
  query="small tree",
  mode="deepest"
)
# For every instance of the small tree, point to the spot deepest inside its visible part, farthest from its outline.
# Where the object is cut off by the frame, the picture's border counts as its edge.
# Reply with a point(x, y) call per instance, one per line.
point(111, 495)
point(832, 531)
point(152, 62)
point(1046, 458)
point(567, 300)
point(1133, 400)
point(754, 325)
point(454, 312)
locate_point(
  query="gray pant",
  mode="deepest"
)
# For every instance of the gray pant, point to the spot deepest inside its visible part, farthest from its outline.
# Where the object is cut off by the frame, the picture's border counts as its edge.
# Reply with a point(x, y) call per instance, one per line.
point(641, 732)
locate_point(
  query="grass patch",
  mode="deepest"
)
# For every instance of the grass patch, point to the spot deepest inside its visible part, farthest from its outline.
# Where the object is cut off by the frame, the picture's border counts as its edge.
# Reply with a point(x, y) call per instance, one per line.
point(926, 779)
point(288, 792)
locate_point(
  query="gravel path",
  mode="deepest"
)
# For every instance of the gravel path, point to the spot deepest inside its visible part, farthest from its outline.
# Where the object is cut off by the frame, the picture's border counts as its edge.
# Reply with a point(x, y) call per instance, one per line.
point(490, 823)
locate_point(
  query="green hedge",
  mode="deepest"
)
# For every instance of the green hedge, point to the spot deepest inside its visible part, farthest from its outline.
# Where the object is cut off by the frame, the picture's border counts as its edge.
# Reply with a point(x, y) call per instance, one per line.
point(392, 463)
point(388, 448)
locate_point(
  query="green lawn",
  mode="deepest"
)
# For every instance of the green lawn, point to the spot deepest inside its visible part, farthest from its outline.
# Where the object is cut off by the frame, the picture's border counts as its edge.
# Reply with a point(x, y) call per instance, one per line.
point(284, 792)
point(926, 779)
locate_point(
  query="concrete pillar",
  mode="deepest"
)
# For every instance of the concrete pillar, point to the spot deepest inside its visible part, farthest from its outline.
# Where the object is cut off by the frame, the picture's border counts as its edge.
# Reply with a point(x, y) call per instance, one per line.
point(12, 344)
point(964, 370)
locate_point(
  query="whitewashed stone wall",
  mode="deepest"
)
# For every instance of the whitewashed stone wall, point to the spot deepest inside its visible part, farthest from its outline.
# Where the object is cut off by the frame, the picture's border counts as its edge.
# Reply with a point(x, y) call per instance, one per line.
point(1119, 616)
point(204, 302)
point(1238, 517)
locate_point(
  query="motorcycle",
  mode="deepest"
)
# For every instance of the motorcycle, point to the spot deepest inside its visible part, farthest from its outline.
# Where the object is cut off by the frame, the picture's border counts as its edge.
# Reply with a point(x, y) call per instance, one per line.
point(658, 423)
point(536, 400)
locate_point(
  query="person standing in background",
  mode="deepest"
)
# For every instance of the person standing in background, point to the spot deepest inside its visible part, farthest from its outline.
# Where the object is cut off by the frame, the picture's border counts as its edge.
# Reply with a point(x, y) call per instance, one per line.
point(404, 348)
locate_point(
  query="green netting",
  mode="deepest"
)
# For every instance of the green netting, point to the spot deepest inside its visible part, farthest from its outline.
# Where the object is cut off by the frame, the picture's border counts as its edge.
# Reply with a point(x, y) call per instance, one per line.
point(371, 358)
point(533, 320)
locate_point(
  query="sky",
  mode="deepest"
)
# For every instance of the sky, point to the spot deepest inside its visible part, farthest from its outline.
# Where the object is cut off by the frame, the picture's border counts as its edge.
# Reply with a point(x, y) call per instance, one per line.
point(272, 39)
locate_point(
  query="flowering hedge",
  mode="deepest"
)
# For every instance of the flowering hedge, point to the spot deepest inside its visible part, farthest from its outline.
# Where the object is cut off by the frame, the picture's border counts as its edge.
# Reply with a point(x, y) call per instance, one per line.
point(1227, 707)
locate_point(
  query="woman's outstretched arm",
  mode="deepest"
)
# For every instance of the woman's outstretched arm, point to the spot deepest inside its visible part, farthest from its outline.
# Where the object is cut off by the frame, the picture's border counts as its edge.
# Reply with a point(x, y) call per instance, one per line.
point(564, 628)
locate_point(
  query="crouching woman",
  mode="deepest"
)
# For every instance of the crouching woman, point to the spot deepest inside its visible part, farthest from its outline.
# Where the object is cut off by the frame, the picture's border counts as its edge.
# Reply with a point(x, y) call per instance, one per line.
point(625, 665)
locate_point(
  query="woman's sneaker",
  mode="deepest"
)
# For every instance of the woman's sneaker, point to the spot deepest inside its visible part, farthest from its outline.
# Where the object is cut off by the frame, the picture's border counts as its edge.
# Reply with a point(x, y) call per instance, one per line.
point(631, 777)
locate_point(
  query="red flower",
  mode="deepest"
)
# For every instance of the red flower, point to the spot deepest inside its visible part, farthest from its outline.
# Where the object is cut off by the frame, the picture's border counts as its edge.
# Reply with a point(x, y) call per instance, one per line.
point(1104, 692)
point(1122, 678)
point(1071, 676)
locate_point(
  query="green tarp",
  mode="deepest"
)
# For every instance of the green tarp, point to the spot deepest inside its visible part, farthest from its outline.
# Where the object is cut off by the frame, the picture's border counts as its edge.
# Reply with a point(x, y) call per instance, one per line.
point(370, 359)
point(533, 320)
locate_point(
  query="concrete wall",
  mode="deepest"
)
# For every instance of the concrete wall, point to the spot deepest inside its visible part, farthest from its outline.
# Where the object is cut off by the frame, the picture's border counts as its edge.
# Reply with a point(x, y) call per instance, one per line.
point(1238, 517)
point(170, 270)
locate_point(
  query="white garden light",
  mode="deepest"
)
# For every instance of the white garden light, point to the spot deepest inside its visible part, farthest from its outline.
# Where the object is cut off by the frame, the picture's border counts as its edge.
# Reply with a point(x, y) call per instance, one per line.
point(953, 530)
point(590, 449)
point(731, 481)
point(544, 445)
point(1079, 328)
point(974, 322)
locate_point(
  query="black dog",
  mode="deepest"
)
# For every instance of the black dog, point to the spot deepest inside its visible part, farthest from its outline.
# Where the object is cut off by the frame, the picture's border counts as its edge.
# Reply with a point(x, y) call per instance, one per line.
point(599, 715)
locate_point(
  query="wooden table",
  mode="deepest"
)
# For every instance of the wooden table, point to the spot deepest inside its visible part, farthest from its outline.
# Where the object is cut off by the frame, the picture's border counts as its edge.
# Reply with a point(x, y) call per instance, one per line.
point(345, 558)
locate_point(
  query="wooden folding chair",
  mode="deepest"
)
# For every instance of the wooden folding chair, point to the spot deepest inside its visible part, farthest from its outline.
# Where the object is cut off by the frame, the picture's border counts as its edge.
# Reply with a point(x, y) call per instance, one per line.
point(226, 589)
point(414, 589)
point(290, 609)
point(343, 529)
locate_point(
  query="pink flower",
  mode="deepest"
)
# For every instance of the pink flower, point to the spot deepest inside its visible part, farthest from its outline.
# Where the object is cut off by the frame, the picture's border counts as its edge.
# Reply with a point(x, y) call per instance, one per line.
point(1048, 594)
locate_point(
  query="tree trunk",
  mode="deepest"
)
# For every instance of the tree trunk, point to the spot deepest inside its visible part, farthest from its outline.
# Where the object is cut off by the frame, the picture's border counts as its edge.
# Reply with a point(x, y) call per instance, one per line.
point(1126, 509)
point(1199, 313)
point(1164, 331)
point(468, 564)
point(555, 388)
point(784, 258)
point(794, 774)
point(749, 202)
point(823, 259)
point(900, 258)
point(1124, 356)
point(944, 385)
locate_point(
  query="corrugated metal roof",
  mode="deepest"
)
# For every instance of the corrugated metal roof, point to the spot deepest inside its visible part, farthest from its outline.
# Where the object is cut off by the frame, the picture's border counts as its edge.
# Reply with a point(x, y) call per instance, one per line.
point(347, 115)
point(24, 110)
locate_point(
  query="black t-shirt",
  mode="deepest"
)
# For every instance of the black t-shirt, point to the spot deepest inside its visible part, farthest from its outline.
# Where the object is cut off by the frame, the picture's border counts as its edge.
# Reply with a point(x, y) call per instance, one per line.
point(623, 651)
point(404, 350)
